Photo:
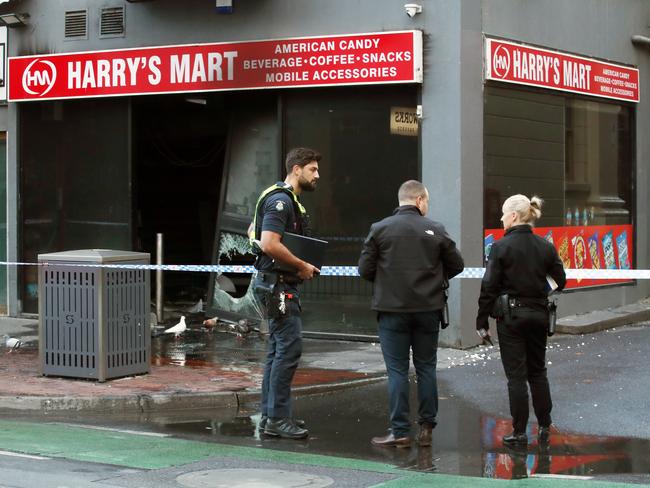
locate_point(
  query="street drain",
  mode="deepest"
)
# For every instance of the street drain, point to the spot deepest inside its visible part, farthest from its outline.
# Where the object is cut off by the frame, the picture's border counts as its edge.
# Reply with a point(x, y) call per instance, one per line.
point(252, 478)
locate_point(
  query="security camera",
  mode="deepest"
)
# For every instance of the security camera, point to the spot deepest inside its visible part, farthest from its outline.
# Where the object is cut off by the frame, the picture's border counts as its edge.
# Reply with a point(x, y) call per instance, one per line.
point(412, 8)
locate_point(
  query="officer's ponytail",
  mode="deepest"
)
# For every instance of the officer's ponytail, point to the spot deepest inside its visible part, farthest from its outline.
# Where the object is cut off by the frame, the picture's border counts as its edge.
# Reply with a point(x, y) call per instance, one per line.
point(535, 208)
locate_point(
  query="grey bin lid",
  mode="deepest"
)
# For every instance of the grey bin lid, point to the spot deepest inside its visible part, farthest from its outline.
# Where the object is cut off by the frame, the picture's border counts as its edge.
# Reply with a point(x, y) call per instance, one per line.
point(94, 256)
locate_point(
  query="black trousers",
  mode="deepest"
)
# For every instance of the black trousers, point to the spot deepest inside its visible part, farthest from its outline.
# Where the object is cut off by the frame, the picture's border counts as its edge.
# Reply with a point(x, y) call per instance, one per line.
point(522, 340)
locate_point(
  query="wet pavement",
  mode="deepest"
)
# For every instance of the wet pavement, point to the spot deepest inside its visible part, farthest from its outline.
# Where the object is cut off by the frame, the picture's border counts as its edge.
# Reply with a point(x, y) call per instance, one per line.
point(199, 368)
point(599, 384)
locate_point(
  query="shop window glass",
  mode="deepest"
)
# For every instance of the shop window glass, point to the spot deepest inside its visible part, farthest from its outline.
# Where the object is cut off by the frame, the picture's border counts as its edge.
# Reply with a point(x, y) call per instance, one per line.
point(598, 163)
point(524, 151)
point(363, 165)
point(575, 153)
point(74, 181)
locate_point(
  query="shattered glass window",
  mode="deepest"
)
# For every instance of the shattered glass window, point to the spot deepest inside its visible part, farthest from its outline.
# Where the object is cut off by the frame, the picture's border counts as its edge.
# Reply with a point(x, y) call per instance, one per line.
point(223, 299)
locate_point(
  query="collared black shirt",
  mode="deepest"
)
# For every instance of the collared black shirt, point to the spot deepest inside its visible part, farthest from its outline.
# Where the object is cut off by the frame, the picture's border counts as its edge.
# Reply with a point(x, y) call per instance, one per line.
point(518, 265)
point(408, 257)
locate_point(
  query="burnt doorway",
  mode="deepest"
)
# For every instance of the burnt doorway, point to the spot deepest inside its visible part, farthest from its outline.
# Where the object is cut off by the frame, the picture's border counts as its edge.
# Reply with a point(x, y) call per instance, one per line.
point(179, 143)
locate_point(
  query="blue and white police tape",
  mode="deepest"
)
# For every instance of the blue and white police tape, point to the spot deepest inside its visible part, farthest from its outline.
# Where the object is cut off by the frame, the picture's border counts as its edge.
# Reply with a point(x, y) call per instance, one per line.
point(472, 273)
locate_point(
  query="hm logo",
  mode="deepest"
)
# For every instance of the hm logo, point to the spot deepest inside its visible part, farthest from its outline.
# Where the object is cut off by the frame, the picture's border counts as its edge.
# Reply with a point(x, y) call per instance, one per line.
point(39, 77)
point(501, 61)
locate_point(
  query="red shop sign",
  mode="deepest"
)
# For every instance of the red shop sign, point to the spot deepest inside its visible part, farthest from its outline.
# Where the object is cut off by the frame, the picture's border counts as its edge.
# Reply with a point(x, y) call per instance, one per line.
point(385, 57)
point(527, 65)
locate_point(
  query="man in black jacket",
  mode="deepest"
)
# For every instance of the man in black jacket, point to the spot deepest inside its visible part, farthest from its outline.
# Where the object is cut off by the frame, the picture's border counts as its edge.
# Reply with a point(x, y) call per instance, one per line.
point(409, 258)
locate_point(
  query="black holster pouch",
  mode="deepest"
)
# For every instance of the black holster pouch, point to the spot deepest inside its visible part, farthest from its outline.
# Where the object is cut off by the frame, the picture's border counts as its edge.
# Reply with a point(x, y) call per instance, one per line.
point(501, 307)
point(266, 288)
point(552, 317)
point(266, 283)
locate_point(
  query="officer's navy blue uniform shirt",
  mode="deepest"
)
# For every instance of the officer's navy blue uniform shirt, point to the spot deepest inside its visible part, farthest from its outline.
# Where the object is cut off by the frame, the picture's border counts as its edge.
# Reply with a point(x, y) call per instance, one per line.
point(277, 215)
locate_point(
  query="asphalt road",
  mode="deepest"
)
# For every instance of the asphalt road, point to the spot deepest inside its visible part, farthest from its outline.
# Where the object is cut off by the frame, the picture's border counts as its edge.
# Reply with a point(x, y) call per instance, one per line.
point(599, 382)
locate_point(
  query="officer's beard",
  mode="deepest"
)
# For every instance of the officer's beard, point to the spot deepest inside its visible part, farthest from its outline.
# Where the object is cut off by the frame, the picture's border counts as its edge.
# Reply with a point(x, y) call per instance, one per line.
point(306, 185)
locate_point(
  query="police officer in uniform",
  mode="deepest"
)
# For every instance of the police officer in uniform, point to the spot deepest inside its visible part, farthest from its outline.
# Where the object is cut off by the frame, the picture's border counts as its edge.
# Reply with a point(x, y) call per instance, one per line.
point(514, 290)
point(279, 210)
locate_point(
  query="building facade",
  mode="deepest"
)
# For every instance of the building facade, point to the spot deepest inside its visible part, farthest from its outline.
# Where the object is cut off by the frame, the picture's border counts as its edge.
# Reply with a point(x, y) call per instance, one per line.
point(127, 119)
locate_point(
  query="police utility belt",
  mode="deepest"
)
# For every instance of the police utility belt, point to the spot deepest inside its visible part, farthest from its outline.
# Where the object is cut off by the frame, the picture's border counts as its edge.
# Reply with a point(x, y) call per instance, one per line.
point(273, 278)
point(505, 304)
point(271, 284)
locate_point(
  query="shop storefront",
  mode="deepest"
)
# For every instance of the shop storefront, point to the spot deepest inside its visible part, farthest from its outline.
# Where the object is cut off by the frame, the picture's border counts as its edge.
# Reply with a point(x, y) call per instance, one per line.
point(562, 125)
point(131, 118)
point(123, 170)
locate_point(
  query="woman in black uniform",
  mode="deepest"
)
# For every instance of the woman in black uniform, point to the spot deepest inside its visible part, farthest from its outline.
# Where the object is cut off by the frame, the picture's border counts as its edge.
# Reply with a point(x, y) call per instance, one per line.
point(518, 265)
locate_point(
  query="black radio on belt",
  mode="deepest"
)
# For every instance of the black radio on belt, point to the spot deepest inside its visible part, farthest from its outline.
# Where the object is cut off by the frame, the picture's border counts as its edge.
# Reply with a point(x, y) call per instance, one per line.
point(552, 317)
point(444, 320)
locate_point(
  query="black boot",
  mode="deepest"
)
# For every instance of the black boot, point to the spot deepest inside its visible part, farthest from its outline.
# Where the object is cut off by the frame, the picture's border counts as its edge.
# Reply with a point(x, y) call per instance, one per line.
point(515, 439)
point(543, 434)
point(285, 428)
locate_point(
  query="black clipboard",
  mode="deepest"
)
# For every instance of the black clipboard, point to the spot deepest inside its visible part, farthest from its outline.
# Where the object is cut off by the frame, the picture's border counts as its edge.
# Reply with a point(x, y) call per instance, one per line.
point(308, 249)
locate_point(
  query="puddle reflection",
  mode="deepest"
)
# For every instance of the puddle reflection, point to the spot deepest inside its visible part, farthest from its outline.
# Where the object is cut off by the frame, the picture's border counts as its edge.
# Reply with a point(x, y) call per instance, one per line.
point(416, 458)
point(565, 454)
point(200, 348)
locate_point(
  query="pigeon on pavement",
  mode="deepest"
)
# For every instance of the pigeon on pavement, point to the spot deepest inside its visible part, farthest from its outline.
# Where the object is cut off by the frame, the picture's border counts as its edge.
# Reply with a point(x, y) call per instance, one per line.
point(210, 323)
point(240, 327)
point(177, 329)
point(11, 342)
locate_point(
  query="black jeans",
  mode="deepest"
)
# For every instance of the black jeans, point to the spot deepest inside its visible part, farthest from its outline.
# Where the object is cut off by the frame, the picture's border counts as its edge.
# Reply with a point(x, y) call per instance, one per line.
point(522, 340)
point(399, 333)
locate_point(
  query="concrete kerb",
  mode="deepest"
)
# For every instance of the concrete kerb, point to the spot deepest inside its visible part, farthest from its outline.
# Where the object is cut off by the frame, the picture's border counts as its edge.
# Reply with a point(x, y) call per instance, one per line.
point(119, 404)
point(604, 319)
point(161, 402)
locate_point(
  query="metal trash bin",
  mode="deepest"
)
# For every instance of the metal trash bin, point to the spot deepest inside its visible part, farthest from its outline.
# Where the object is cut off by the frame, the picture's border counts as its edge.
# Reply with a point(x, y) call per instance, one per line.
point(93, 321)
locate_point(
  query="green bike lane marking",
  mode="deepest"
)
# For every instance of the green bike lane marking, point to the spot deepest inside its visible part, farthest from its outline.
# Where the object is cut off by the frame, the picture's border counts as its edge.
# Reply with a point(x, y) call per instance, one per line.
point(147, 452)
